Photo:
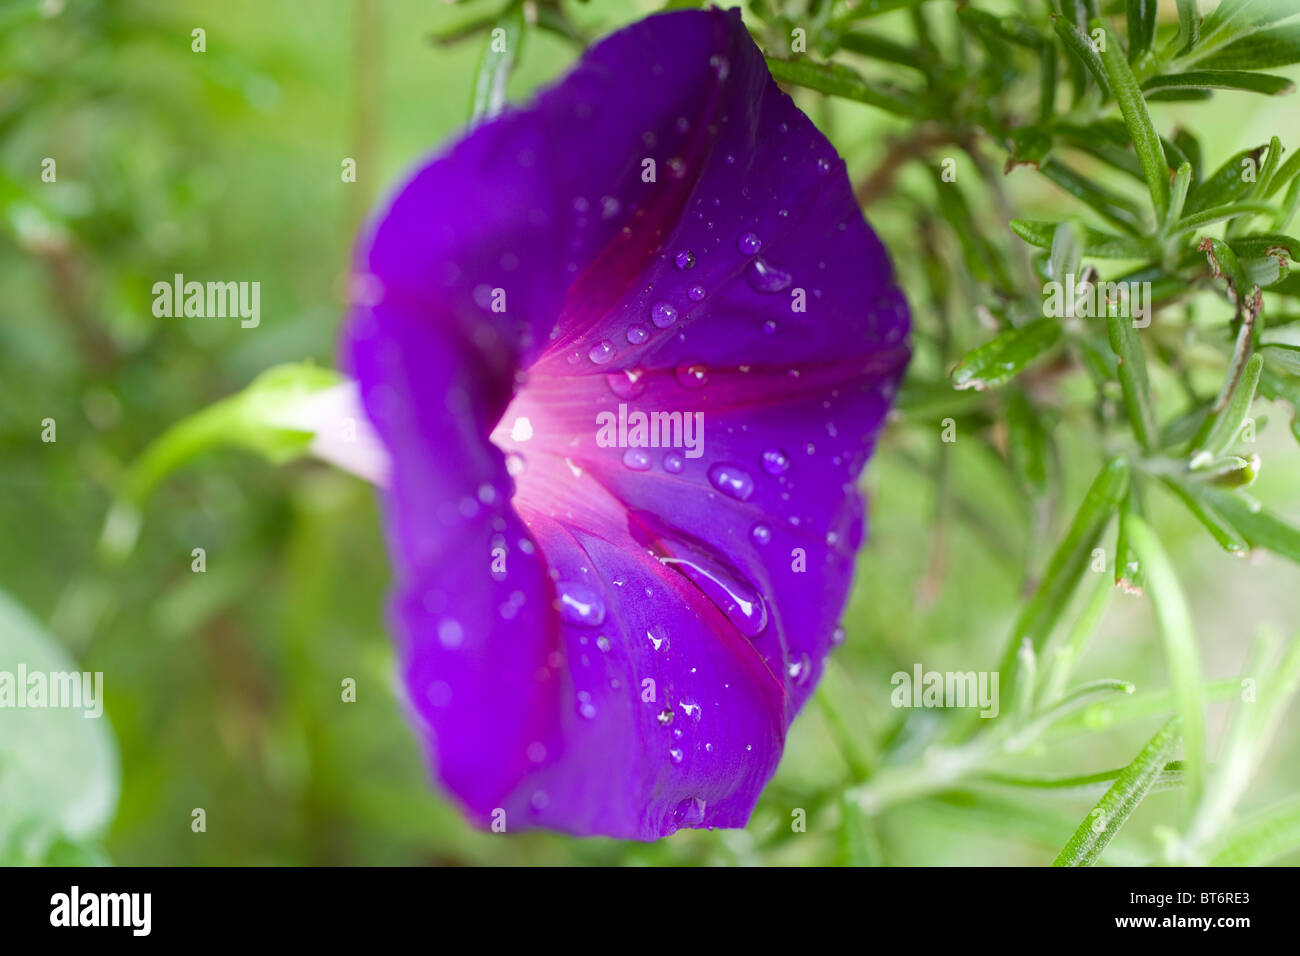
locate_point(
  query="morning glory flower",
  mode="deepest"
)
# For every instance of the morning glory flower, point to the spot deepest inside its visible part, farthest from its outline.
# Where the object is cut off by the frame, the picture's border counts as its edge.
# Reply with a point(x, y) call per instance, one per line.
point(628, 350)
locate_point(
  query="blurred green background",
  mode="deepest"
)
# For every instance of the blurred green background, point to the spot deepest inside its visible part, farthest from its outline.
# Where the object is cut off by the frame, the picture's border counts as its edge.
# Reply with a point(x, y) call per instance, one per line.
point(222, 688)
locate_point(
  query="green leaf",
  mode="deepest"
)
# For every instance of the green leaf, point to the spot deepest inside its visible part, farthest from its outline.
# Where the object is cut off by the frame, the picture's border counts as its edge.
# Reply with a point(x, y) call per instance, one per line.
point(1220, 430)
point(1002, 359)
point(1128, 567)
point(1133, 377)
point(1118, 803)
point(1214, 214)
point(1067, 565)
point(59, 768)
point(1180, 648)
point(1118, 209)
point(1260, 528)
point(1264, 83)
point(1261, 838)
point(1222, 532)
point(500, 54)
point(1078, 45)
point(1266, 49)
point(835, 79)
point(1146, 141)
point(1227, 183)
point(1141, 18)
point(1097, 244)
point(1026, 443)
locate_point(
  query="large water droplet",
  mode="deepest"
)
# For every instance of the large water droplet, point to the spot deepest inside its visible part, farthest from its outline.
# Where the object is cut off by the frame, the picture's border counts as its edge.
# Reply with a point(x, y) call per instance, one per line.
point(629, 383)
point(749, 243)
point(638, 459)
point(765, 278)
point(693, 375)
point(684, 259)
point(731, 480)
point(736, 599)
point(601, 352)
point(690, 812)
point(663, 314)
point(580, 604)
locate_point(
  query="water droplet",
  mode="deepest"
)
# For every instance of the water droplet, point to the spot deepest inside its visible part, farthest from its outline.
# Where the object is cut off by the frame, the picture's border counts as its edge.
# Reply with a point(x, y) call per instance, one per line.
point(662, 314)
point(636, 334)
point(731, 480)
point(601, 352)
point(727, 589)
point(684, 259)
point(638, 459)
point(761, 534)
point(769, 327)
point(515, 463)
point(665, 716)
point(764, 278)
point(693, 375)
point(521, 430)
point(695, 293)
point(673, 463)
point(749, 244)
point(838, 636)
point(775, 461)
point(629, 383)
point(603, 643)
point(690, 812)
point(675, 753)
point(823, 166)
point(450, 633)
point(800, 671)
point(658, 636)
point(580, 604)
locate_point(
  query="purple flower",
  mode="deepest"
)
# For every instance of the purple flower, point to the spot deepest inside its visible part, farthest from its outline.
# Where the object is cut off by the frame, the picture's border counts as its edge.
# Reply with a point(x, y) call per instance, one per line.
point(629, 349)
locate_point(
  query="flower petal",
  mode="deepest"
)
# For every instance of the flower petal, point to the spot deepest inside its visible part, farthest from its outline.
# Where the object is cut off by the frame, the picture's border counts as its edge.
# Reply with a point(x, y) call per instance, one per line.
point(610, 639)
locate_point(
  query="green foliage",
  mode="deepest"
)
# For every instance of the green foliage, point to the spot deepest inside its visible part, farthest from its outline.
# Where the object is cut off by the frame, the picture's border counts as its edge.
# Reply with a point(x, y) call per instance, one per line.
point(996, 146)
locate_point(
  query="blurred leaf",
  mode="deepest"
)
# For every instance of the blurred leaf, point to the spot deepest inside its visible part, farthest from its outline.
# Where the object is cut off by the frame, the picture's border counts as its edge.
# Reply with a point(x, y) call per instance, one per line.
point(1181, 653)
point(1133, 377)
point(1259, 51)
point(1097, 244)
point(500, 54)
point(838, 80)
point(1261, 838)
point(997, 362)
point(59, 773)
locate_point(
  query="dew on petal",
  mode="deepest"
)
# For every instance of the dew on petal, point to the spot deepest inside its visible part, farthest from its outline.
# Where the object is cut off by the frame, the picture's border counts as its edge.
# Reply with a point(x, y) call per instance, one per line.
point(580, 604)
point(636, 334)
point(731, 480)
point(638, 459)
point(749, 243)
point(684, 259)
point(775, 461)
point(765, 278)
point(727, 588)
point(628, 383)
point(601, 352)
point(693, 375)
point(695, 293)
point(663, 314)
point(761, 534)
point(823, 166)
point(673, 463)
